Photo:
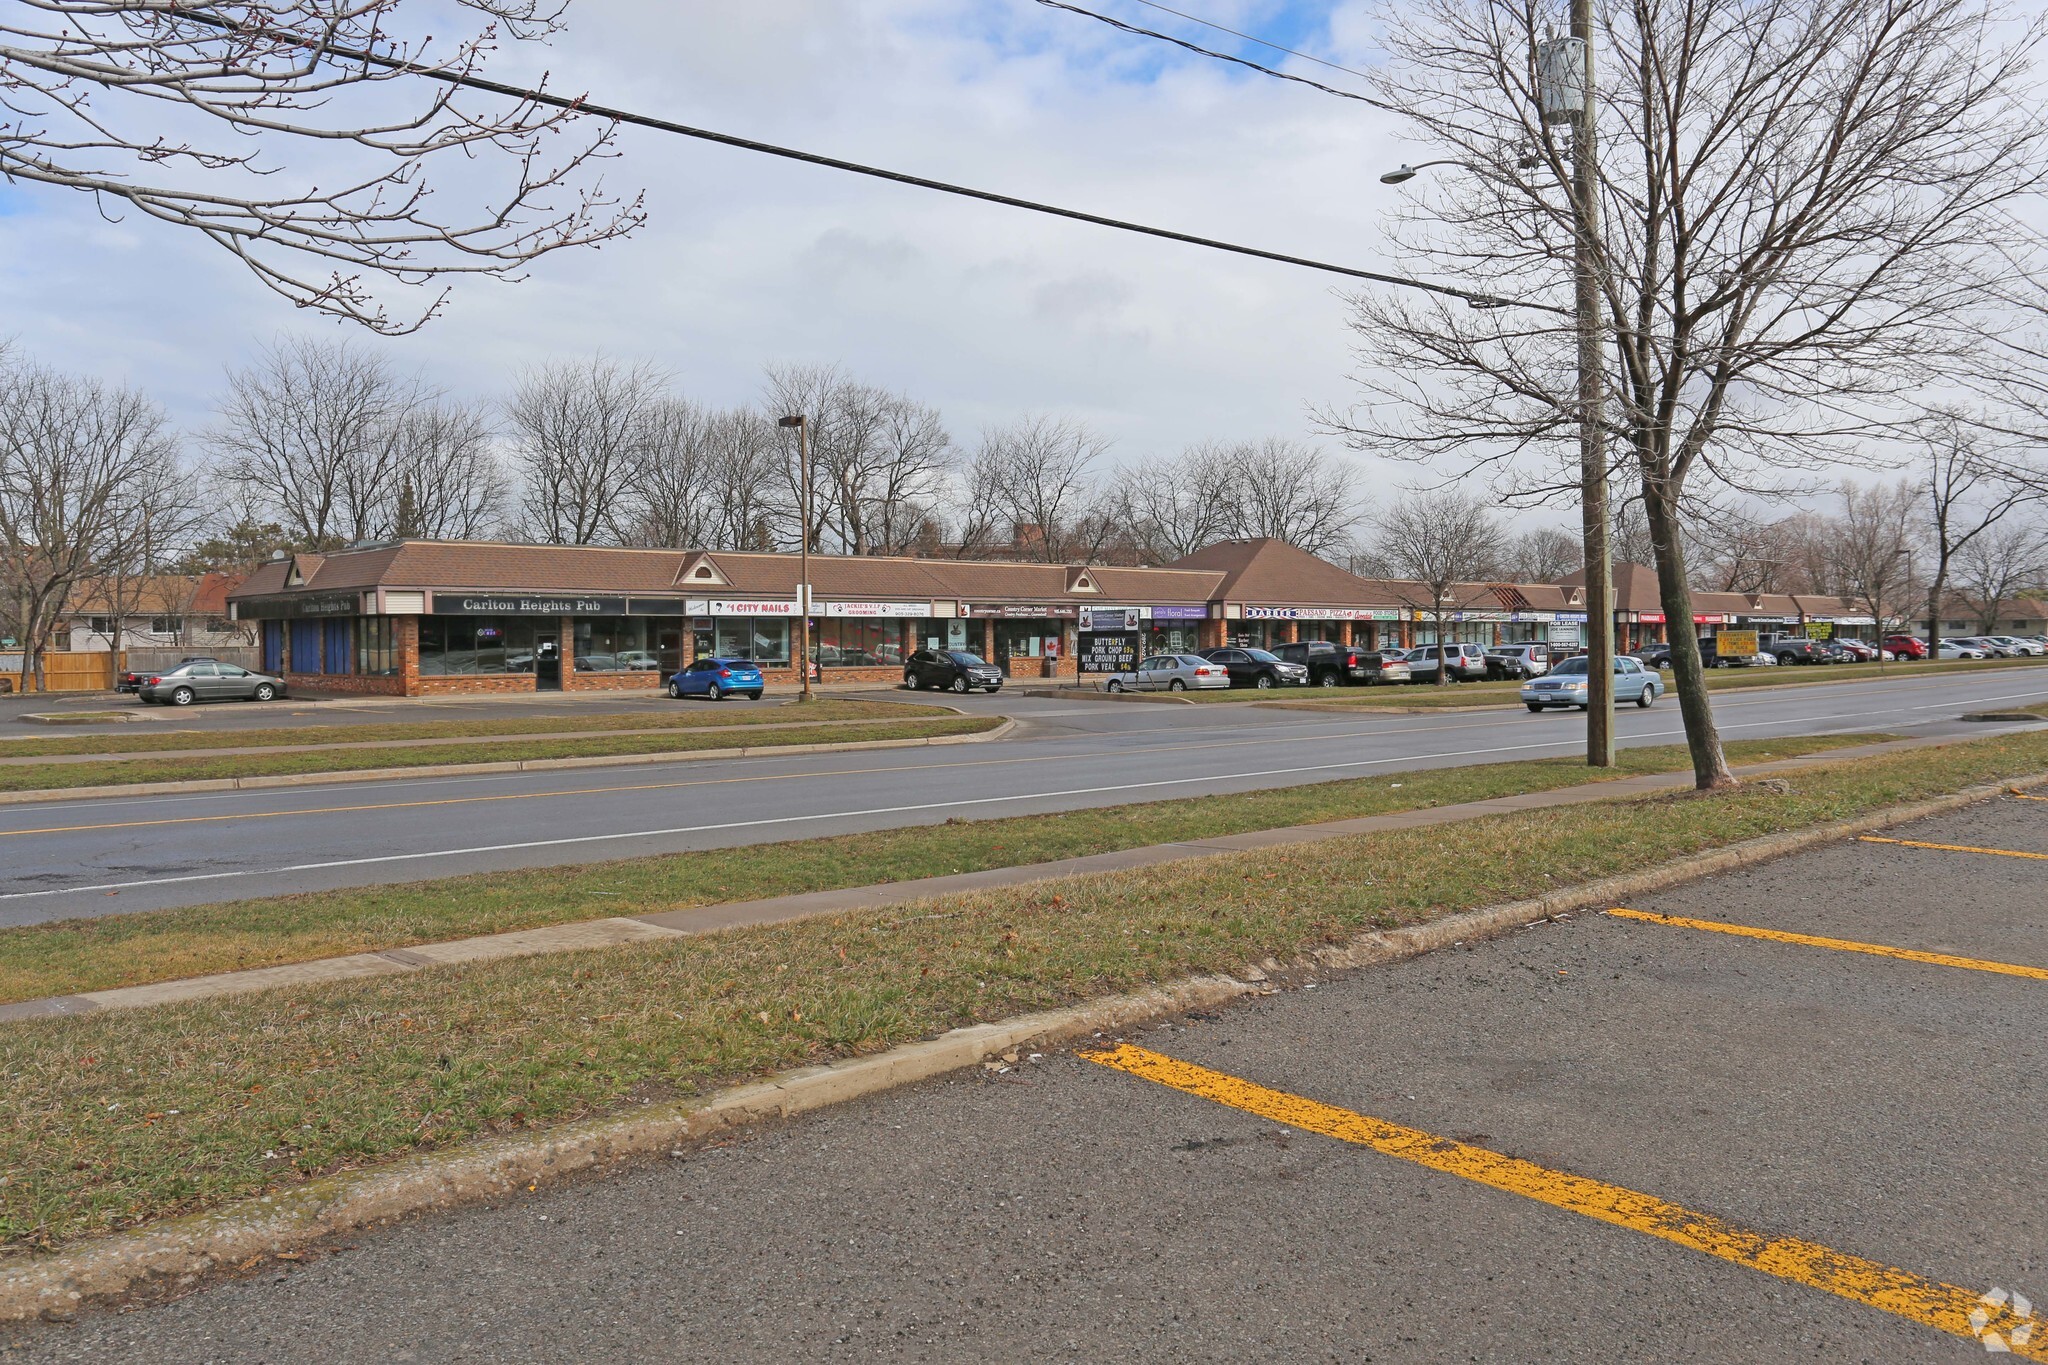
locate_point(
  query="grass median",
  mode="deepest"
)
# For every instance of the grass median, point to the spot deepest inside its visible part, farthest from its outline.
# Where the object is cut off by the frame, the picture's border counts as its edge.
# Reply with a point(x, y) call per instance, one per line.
point(70, 956)
point(56, 777)
point(662, 715)
point(119, 1119)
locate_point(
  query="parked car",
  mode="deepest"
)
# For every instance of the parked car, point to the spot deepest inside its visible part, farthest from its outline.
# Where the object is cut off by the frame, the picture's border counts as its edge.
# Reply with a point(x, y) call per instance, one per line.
point(1835, 652)
point(132, 679)
point(1862, 651)
point(1657, 655)
point(1466, 662)
point(1565, 685)
point(1256, 667)
point(208, 680)
point(2019, 648)
point(1795, 649)
point(1169, 673)
point(718, 679)
point(1333, 665)
point(1905, 647)
point(1992, 649)
point(955, 669)
point(1518, 661)
point(1956, 649)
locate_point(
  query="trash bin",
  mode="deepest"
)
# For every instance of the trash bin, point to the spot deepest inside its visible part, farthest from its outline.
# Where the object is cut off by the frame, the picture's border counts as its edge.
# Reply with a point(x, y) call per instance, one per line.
point(1048, 668)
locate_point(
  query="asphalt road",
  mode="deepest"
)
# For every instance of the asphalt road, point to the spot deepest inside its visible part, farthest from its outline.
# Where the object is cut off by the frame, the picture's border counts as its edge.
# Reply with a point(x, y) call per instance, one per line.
point(122, 855)
point(1883, 1109)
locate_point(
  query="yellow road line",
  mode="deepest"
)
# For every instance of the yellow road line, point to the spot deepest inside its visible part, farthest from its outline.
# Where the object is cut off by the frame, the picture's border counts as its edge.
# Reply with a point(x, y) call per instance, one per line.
point(1944, 1307)
point(1952, 848)
point(1841, 944)
point(2016, 793)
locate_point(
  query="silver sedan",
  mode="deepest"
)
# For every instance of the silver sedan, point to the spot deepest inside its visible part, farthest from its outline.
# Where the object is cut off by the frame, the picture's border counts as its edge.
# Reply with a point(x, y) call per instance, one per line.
point(1169, 673)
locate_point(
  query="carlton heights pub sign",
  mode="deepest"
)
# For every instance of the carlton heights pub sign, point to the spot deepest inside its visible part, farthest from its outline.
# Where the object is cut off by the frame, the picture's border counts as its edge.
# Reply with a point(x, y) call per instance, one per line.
point(552, 604)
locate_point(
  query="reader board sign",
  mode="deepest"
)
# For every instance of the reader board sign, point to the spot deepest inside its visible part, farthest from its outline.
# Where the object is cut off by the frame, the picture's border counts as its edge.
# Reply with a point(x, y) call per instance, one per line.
point(1109, 651)
point(1735, 644)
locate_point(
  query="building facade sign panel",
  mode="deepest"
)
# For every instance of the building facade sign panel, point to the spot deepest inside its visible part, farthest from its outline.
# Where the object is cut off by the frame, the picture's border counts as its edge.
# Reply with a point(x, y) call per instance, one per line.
point(1175, 613)
point(1013, 611)
point(314, 604)
point(722, 606)
point(1111, 619)
point(525, 604)
point(916, 609)
point(1319, 614)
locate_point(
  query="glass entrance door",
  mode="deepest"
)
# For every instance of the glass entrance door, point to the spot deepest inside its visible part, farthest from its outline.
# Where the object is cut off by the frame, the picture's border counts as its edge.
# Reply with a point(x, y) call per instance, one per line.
point(547, 662)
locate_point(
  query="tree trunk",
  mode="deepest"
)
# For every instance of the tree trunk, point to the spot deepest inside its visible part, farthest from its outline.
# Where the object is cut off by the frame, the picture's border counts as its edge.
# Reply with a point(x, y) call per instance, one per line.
point(1689, 675)
point(1443, 658)
point(1934, 592)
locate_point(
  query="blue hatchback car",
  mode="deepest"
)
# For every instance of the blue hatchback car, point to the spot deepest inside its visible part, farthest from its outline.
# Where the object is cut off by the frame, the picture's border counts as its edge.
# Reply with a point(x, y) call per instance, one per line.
point(717, 679)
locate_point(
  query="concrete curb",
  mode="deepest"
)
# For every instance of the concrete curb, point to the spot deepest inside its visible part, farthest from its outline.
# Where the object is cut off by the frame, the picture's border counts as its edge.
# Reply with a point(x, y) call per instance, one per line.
point(530, 765)
point(184, 1249)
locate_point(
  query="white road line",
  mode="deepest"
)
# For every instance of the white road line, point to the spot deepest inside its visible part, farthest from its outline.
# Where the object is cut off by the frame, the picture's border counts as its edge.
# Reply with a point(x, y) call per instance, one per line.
point(762, 823)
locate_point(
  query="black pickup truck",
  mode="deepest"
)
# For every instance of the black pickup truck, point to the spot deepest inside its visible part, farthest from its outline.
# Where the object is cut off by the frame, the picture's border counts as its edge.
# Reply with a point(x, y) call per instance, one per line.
point(1797, 649)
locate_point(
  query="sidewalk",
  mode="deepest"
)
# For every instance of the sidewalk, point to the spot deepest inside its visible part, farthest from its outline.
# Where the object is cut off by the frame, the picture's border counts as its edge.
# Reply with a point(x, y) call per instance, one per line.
point(705, 919)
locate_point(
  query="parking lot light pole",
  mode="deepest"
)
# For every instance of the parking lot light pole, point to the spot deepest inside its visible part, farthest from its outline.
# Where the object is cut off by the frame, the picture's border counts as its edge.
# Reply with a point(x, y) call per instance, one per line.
point(803, 572)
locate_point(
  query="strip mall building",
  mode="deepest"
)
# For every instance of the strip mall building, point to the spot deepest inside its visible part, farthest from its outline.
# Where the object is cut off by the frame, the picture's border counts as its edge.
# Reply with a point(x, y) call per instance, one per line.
point(419, 618)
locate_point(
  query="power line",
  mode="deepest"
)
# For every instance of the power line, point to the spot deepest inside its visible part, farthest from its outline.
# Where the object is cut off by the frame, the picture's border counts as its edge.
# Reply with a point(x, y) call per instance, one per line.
point(1250, 38)
point(584, 106)
point(1219, 56)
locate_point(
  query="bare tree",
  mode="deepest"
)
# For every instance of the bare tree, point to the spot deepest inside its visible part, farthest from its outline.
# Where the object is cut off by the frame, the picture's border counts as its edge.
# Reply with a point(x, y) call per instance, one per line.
point(1037, 475)
point(188, 113)
point(576, 429)
point(1177, 506)
point(1973, 481)
point(1629, 538)
point(1543, 555)
point(671, 479)
point(1804, 212)
point(1289, 491)
point(1429, 543)
point(1873, 552)
point(308, 436)
point(746, 477)
point(879, 461)
point(88, 478)
point(450, 483)
point(2000, 565)
point(898, 501)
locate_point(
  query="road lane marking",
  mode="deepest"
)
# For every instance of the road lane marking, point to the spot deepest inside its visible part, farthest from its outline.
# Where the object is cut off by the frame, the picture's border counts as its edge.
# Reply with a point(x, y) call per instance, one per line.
point(691, 829)
point(1944, 1307)
point(1952, 848)
point(797, 777)
point(1840, 944)
point(2020, 795)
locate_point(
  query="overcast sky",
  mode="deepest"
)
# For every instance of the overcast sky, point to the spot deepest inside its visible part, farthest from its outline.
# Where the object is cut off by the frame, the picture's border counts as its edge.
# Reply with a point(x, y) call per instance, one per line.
point(984, 311)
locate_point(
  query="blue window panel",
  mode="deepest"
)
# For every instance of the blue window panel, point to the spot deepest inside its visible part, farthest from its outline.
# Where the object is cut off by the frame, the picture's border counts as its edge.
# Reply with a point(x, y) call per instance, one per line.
point(306, 646)
point(340, 642)
point(273, 647)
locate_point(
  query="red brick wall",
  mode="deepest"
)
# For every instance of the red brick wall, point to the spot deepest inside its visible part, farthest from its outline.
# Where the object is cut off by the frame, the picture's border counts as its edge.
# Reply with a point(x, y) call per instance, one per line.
point(344, 682)
point(432, 686)
point(1209, 635)
point(612, 682)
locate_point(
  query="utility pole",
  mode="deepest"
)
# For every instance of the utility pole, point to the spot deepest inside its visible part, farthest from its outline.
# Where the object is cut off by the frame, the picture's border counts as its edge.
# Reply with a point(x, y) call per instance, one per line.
point(803, 572)
point(1567, 97)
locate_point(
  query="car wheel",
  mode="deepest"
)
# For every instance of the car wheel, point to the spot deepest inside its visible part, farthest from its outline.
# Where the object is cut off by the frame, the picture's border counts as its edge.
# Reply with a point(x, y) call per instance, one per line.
point(753, 696)
point(184, 696)
point(716, 693)
point(1329, 680)
point(1113, 685)
point(993, 690)
point(1646, 698)
point(1585, 706)
point(1264, 682)
point(960, 685)
point(1537, 706)
point(910, 681)
point(675, 689)
point(1176, 686)
point(265, 692)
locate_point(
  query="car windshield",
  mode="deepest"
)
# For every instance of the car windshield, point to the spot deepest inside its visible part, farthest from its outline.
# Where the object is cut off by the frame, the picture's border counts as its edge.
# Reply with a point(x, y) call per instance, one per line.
point(1263, 657)
point(966, 660)
point(1570, 666)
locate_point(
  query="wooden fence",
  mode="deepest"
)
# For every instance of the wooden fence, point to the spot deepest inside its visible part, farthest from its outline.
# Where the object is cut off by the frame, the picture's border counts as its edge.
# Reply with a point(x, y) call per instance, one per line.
point(63, 671)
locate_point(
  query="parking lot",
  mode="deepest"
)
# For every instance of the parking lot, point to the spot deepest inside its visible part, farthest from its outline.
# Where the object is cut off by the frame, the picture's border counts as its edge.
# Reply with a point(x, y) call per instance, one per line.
point(1614, 1138)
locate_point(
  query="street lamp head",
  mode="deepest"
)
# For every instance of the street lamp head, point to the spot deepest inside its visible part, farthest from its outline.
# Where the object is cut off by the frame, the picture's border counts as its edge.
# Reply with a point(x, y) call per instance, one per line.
point(1396, 177)
point(795, 421)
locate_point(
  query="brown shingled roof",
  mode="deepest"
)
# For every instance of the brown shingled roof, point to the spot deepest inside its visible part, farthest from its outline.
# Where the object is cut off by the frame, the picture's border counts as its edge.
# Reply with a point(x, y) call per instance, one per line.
point(1273, 573)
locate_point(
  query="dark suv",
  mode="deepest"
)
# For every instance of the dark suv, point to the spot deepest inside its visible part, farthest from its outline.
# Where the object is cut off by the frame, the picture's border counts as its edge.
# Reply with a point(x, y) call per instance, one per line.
point(951, 668)
point(1334, 665)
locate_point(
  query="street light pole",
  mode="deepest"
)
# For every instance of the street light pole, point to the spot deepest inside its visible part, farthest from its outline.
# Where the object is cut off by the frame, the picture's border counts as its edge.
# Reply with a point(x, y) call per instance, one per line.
point(803, 573)
point(1592, 404)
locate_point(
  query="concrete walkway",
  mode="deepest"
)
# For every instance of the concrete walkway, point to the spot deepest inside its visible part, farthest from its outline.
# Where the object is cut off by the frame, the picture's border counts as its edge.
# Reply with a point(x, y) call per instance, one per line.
point(600, 933)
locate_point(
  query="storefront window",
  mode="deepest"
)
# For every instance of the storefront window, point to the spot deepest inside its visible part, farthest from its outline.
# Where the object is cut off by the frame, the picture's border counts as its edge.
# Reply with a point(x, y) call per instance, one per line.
point(376, 647)
point(629, 644)
point(764, 639)
point(843, 643)
point(476, 644)
point(1182, 637)
point(1017, 641)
